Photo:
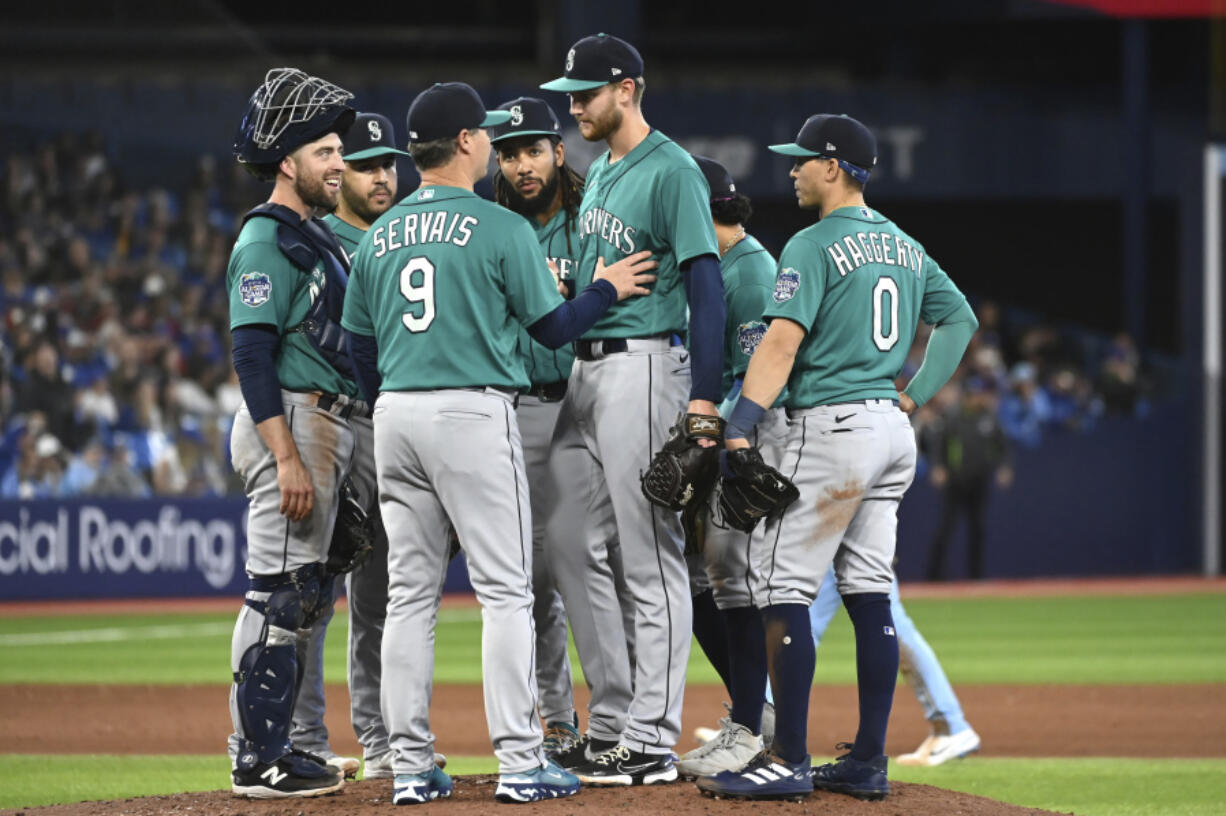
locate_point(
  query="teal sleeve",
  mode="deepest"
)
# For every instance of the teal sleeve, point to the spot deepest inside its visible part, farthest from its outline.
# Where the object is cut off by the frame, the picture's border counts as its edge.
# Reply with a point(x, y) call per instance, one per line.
point(941, 297)
point(800, 284)
point(684, 206)
point(946, 344)
point(530, 289)
point(261, 283)
point(356, 315)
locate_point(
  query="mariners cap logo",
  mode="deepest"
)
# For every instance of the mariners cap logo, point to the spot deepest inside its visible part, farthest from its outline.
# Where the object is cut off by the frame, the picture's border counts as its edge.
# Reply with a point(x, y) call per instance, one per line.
point(376, 132)
point(570, 61)
point(517, 115)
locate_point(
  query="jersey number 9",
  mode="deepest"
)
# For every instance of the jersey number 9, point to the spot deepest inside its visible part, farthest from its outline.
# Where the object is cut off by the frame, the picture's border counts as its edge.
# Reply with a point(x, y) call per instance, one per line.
point(417, 287)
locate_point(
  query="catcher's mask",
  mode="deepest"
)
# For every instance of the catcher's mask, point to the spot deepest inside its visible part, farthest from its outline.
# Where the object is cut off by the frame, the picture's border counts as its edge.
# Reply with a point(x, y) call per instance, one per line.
point(288, 110)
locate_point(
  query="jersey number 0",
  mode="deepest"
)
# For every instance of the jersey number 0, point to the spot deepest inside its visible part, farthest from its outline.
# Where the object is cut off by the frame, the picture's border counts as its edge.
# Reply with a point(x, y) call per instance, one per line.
point(417, 287)
point(885, 285)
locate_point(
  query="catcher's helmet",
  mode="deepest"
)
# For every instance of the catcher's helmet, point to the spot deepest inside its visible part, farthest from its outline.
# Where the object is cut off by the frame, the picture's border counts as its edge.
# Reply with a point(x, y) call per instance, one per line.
point(287, 111)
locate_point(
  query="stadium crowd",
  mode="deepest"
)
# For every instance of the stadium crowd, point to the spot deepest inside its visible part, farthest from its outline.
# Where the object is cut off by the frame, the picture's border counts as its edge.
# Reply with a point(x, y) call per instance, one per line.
point(115, 374)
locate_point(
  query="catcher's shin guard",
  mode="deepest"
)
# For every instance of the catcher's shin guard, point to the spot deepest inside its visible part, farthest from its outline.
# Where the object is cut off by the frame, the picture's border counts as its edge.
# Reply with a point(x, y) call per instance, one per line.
point(267, 677)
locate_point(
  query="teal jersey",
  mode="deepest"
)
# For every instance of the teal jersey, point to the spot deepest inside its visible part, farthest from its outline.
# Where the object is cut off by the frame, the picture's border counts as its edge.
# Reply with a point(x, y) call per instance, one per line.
point(749, 278)
point(348, 235)
point(654, 198)
point(266, 289)
point(443, 282)
point(546, 365)
point(857, 285)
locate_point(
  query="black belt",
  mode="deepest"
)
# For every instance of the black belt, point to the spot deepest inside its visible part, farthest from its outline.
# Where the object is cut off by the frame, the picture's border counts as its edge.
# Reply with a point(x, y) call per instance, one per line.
point(591, 350)
point(546, 392)
point(792, 412)
point(327, 402)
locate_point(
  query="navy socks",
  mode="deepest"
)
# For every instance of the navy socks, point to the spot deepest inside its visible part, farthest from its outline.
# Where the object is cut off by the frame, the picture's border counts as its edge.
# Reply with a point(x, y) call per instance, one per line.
point(747, 666)
point(876, 669)
point(711, 630)
point(790, 658)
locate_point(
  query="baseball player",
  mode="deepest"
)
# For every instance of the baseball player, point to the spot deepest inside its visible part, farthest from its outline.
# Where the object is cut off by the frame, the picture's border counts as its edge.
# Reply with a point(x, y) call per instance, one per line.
point(726, 623)
point(368, 189)
point(952, 736)
point(848, 296)
point(440, 287)
point(292, 443)
point(631, 378)
point(535, 181)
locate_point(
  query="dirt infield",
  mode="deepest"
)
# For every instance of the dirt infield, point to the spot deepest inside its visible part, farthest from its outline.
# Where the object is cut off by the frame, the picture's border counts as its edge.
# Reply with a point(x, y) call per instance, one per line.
point(1034, 721)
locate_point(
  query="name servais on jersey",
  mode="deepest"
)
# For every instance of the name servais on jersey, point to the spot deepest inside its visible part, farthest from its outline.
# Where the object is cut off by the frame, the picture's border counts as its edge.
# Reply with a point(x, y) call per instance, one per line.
point(412, 229)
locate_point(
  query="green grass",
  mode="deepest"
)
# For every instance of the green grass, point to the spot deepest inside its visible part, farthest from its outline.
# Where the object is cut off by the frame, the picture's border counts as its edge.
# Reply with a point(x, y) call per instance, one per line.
point(1111, 640)
point(1088, 787)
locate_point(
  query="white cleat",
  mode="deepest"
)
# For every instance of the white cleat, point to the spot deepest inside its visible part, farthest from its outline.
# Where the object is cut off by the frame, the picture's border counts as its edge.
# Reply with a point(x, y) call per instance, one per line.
point(347, 766)
point(731, 750)
point(936, 750)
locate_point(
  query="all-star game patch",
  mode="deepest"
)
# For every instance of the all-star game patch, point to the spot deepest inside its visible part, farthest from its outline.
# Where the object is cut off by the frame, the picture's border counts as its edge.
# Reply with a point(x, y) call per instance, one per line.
point(254, 288)
point(749, 335)
point(786, 284)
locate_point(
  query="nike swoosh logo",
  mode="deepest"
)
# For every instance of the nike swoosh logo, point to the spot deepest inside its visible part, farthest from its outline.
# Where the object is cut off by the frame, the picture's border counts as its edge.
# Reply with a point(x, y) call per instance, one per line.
point(840, 419)
point(636, 768)
point(684, 357)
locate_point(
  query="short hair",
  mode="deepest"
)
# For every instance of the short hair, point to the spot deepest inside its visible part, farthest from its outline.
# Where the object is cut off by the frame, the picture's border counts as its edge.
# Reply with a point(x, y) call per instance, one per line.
point(640, 87)
point(435, 153)
point(732, 210)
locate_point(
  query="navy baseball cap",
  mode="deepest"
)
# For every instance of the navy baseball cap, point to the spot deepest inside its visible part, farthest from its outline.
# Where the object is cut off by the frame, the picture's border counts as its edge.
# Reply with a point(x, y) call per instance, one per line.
point(831, 136)
point(446, 108)
point(371, 135)
point(718, 178)
point(597, 60)
point(529, 117)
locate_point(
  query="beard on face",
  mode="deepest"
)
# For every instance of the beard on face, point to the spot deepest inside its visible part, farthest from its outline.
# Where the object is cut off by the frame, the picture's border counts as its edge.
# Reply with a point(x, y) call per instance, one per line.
point(603, 125)
point(362, 207)
point(313, 192)
point(538, 203)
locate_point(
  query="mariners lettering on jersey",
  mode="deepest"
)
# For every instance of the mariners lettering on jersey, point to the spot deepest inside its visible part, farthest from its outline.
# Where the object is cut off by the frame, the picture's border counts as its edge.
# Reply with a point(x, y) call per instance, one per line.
point(609, 227)
point(851, 252)
point(317, 283)
point(430, 227)
point(565, 266)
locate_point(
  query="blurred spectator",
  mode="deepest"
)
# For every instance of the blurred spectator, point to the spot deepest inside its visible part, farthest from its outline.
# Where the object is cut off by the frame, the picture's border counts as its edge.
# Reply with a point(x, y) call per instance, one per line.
point(1119, 381)
point(45, 391)
point(84, 470)
point(969, 454)
point(120, 478)
point(1025, 408)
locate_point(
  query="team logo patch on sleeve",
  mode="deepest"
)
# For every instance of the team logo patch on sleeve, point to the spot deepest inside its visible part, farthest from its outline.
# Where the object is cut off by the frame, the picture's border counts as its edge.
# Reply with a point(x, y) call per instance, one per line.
point(254, 288)
point(749, 335)
point(786, 284)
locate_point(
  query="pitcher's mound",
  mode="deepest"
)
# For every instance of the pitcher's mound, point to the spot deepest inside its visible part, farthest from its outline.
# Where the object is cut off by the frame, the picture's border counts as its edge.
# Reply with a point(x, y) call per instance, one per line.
point(475, 795)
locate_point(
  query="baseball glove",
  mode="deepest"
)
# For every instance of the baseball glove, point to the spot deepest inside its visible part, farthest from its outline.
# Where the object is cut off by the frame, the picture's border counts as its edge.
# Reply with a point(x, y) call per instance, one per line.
point(695, 519)
point(353, 536)
point(683, 471)
point(751, 489)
